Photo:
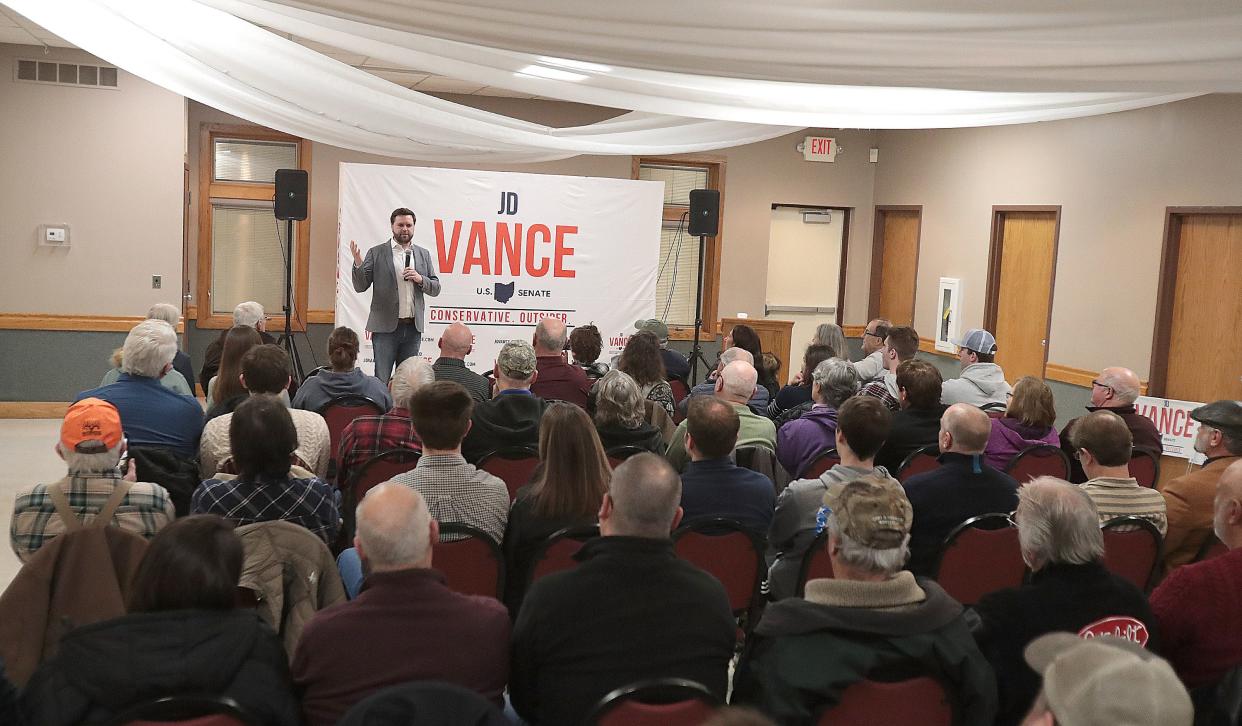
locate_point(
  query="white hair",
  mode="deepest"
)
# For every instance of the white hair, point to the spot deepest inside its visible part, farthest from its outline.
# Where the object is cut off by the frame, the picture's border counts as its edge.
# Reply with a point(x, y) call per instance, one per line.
point(739, 379)
point(148, 349)
point(411, 375)
point(861, 557)
point(79, 463)
point(248, 313)
point(1057, 524)
point(397, 533)
point(837, 381)
point(735, 353)
point(1123, 389)
point(163, 311)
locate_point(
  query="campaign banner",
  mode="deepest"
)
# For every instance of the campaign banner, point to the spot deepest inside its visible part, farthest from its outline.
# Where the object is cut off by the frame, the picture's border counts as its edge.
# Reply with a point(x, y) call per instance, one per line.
point(510, 249)
point(1177, 429)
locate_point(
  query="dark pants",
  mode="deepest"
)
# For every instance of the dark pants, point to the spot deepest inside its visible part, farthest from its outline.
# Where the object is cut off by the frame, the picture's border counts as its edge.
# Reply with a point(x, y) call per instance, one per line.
point(393, 348)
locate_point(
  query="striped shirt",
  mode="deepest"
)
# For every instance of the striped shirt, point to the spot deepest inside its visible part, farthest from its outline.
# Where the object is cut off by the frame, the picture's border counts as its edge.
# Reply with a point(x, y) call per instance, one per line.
point(458, 492)
point(1117, 497)
point(144, 510)
point(308, 502)
point(455, 370)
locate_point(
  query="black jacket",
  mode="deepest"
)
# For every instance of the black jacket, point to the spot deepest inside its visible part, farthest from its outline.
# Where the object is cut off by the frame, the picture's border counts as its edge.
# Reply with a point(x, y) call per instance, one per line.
point(911, 429)
point(1142, 430)
point(631, 611)
point(646, 436)
point(105, 668)
point(509, 419)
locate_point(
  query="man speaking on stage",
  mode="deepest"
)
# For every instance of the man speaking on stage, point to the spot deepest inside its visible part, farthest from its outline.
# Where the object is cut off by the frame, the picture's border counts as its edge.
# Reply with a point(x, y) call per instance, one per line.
point(402, 273)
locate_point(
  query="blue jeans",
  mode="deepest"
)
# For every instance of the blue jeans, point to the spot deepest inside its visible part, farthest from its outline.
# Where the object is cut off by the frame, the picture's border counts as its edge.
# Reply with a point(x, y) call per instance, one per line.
point(393, 348)
point(350, 565)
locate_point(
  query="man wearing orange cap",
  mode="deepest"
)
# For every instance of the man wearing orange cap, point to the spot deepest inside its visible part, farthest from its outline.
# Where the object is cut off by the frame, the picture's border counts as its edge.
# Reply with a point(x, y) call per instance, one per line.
point(91, 443)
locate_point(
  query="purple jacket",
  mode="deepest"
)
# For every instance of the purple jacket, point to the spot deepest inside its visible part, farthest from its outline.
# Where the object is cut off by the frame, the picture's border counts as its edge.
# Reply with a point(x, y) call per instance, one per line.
point(1009, 436)
point(801, 440)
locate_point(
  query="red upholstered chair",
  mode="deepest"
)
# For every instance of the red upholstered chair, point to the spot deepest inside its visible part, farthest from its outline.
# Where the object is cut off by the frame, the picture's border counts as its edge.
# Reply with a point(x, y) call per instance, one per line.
point(471, 561)
point(1133, 549)
point(338, 413)
point(381, 468)
point(919, 461)
point(557, 552)
point(1145, 466)
point(728, 551)
point(921, 700)
point(661, 702)
point(1039, 460)
point(981, 555)
point(680, 391)
point(186, 711)
point(513, 464)
point(827, 459)
point(815, 562)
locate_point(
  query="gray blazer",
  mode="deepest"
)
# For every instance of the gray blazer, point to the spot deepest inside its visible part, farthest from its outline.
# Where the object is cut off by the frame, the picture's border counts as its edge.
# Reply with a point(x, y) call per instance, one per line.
point(377, 268)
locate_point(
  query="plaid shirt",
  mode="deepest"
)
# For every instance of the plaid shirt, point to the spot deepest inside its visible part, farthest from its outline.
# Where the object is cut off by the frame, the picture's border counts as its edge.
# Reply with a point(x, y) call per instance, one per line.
point(308, 502)
point(144, 510)
point(880, 389)
point(367, 436)
point(456, 491)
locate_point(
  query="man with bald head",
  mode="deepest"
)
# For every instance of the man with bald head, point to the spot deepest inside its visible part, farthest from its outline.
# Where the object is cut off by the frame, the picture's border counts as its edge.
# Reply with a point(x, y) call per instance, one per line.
point(455, 343)
point(558, 380)
point(1115, 389)
point(1102, 444)
point(963, 486)
point(408, 619)
point(630, 611)
point(758, 400)
point(735, 385)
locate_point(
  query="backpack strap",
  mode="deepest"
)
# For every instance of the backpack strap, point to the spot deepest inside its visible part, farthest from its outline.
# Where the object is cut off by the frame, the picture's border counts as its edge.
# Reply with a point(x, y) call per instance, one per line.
point(56, 492)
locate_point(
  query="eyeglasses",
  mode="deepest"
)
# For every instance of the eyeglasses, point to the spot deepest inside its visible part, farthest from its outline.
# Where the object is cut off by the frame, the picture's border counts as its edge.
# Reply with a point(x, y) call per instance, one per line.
point(1101, 385)
point(872, 334)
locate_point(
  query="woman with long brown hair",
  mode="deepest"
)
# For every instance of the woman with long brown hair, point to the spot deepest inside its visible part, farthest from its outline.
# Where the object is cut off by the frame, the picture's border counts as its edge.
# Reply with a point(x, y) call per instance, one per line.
point(343, 378)
point(227, 383)
point(745, 337)
point(642, 361)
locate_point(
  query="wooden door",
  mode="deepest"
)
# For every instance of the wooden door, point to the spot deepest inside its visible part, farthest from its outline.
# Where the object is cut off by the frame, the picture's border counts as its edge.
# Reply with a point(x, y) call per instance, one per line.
point(895, 263)
point(1020, 275)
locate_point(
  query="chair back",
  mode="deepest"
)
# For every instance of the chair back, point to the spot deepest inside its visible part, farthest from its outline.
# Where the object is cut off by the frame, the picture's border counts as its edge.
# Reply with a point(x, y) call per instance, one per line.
point(618, 454)
point(922, 700)
point(1039, 460)
point(513, 464)
point(1211, 547)
point(980, 555)
point(760, 459)
point(827, 459)
point(680, 390)
point(428, 703)
point(1145, 467)
point(338, 413)
point(816, 565)
point(919, 461)
point(729, 552)
point(186, 710)
point(381, 468)
point(557, 552)
point(654, 414)
point(659, 702)
point(471, 560)
point(1133, 549)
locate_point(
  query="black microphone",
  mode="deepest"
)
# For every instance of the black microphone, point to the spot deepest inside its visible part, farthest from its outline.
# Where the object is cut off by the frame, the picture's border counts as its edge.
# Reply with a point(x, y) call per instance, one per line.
point(407, 258)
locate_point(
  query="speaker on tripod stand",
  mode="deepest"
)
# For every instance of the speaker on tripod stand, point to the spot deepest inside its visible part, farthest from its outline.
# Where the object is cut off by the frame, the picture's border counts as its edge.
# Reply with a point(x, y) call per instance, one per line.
point(292, 186)
point(704, 222)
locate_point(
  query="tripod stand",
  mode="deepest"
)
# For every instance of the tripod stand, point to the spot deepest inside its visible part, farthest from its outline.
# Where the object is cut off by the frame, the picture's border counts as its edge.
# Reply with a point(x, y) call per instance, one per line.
point(696, 352)
point(286, 340)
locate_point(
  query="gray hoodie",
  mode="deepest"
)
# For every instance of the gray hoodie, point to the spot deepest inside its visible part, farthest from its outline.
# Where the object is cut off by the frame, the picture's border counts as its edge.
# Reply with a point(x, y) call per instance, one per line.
point(979, 384)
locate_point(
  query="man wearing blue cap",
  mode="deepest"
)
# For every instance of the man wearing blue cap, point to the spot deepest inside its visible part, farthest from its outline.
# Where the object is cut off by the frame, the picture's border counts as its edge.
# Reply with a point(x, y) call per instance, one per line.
point(981, 382)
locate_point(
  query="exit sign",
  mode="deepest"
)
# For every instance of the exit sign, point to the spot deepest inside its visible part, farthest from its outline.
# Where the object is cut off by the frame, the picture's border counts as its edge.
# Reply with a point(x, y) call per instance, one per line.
point(819, 148)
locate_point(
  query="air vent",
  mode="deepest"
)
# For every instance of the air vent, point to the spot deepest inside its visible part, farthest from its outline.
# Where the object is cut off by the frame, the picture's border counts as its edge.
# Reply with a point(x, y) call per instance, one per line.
point(66, 74)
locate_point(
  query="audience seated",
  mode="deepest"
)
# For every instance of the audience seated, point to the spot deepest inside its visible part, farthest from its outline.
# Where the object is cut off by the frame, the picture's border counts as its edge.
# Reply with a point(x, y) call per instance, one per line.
point(675, 364)
point(631, 610)
point(266, 370)
point(173, 380)
point(801, 441)
point(735, 385)
point(745, 337)
point(901, 345)
point(368, 436)
point(1104, 682)
point(511, 416)
point(759, 399)
point(982, 382)
point(151, 414)
point(869, 617)
point(91, 443)
point(586, 344)
point(558, 380)
point(455, 343)
point(963, 486)
point(1028, 421)
point(641, 360)
point(1103, 446)
point(406, 624)
point(564, 492)
point(181, 377)
point(862, 425)
point(831, 335)
point(1197, 605)
point(917, 423)
point(1069, 589)
point(796, 394)
point(712, 485)
point(1115, 389)
point(871, 366)
point(344, 378)
point(619, 416)
point(224, 390)
point(262, 440)
point(182, 636)
point(248, 313)
point(1188, 498)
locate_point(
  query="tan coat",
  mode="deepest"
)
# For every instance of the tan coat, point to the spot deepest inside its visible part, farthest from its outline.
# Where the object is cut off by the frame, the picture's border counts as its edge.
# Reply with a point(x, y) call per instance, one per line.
point(1188, 500)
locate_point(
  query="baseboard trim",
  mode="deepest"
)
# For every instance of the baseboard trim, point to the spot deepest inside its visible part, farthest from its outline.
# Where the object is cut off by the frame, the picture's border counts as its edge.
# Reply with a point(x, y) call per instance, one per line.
point(84, 323)
point(33, 409)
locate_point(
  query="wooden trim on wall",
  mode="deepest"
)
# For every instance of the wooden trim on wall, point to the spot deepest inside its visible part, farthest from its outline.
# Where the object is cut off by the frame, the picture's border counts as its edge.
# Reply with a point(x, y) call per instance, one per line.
point(845, 247)
point(85, 323)
point(320, 317)
point(33, 409)
point(1052, 371)
point(992, 299)
point(927, 345)
point(853, 331)
point(877, 256)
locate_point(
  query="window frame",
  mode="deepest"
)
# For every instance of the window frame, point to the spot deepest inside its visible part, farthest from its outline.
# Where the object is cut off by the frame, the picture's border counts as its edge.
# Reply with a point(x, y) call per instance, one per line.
point(209, 189)
point(715, 166)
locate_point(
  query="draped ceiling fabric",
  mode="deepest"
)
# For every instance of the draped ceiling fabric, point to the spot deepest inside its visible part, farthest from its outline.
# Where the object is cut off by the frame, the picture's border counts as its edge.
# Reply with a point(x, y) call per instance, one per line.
point(695, 74)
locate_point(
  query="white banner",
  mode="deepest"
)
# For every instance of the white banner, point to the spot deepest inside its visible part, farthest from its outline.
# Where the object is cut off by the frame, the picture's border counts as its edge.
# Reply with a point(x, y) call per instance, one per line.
point(510, 249)
point(1177, 429)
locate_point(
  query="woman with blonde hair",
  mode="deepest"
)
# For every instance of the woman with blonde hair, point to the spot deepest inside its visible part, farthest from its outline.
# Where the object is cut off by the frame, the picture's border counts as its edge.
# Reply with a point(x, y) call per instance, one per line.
point(831, 335)
point(1029, 420)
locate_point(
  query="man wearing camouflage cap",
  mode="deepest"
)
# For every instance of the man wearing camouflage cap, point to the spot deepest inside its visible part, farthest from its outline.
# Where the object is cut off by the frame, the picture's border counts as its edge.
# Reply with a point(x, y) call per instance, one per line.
point(870, 616)
point(1188, 498)
point(675, 365)
point(512, 417)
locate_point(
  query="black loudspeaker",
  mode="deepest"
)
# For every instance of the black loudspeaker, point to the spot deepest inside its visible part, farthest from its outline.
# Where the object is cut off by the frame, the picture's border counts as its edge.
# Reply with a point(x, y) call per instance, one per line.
point(704, 212)
point(291, 187)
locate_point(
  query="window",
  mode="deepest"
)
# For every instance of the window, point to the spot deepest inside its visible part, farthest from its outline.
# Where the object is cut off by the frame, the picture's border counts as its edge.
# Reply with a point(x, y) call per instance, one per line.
point(678, 269)
point(241, 245)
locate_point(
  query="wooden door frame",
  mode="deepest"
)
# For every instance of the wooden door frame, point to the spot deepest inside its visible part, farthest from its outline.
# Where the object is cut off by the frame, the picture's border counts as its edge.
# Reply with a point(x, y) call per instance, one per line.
point(992, 304)
point(1166, 292)
point(846, 223)
point(877, 256)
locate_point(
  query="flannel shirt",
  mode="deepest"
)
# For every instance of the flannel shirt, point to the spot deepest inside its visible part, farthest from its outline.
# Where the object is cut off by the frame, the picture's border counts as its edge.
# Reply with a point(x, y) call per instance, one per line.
point(367, 436)
point(144, 510)
point(456, 491)
point(879, 389)
point(308, 502)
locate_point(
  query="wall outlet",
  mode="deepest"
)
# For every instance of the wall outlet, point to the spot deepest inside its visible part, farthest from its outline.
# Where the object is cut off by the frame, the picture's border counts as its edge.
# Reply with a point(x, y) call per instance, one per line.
point(157, 281)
